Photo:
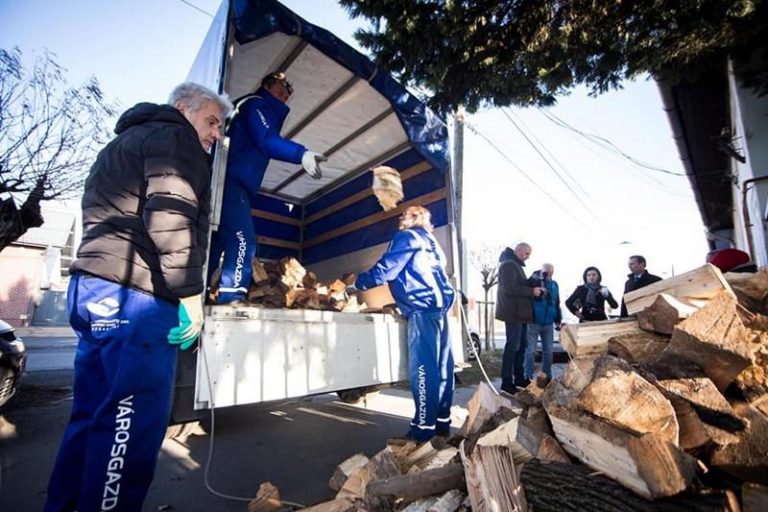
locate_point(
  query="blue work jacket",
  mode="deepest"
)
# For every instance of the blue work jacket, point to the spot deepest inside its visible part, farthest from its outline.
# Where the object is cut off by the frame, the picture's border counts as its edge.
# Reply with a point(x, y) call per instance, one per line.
point(255, 139)
point(414, 267)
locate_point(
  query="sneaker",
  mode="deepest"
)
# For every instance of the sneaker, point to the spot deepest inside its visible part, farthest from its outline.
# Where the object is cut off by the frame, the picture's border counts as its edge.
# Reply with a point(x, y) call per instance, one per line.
point(523, 383)
point(508, 388)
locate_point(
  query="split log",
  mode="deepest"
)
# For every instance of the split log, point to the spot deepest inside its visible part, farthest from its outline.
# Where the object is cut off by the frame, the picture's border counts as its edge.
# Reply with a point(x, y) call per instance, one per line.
point(714, 337)
point(557, 487)
point(638, 348)
point(501, 416)
point(484, 404)
point(531, 394)
point(343, 470)
point(292, 272)
point(442, 458)
point(401, 448)
point(415, 486)
point(619, 395)
point(537, 418)
point(592, 337)
point(260, 275)
point(448, 502)
point(751, 289)
point(578, 372)
point(747, 459)
point(695, 287)
point(337, 505)
point(664, 313)
point(679, 378)
point(425, 452)
point(354, 486)
point(754, 497)
point(309, 280)
point(493, 482)
point(267, 499)
point(382, 466)
point(753, 380)
point(646, 464)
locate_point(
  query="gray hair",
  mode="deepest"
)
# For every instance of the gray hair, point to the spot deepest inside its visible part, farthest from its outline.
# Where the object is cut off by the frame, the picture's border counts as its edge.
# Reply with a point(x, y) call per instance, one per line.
point(194, 96)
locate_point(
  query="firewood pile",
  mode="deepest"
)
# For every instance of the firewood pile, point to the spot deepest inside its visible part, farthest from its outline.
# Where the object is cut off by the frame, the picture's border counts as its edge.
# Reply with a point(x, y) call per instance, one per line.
point(666, 412)
point(287, 284)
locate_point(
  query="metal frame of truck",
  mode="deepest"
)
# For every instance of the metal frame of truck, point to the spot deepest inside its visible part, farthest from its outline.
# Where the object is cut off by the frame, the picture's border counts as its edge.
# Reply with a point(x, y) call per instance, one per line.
point(360, 117)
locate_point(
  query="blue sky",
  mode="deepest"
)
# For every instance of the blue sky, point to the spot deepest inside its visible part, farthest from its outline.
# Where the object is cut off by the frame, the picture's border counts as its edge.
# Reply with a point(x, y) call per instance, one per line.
point(140, 49)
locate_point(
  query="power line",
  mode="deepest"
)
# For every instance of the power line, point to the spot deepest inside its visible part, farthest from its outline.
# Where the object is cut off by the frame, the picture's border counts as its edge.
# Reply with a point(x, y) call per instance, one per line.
point(477, 131)
point(605, 143)
point(549, 164)
point(196, 8)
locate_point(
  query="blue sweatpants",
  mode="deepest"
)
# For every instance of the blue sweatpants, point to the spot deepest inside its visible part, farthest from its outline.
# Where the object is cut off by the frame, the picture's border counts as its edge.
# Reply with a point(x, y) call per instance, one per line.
point(431, 373)
point(124, 374)
point(237, 240)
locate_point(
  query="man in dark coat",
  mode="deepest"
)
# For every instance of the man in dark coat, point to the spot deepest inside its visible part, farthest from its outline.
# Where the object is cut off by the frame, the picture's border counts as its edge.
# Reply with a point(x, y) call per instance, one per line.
point(135, 296)
point(638, 278)
point(514, 307)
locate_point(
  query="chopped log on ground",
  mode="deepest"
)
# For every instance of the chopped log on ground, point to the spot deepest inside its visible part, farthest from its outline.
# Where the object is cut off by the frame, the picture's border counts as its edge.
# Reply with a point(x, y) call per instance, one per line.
point(622, 397)
point(647, 464)
point(442, 458)
point(337, 505)
point(638, 348)
point(414, 486)
point(557, 487)
point(401, 448)
point(714, 337)
point(448, 502)
point(531, 394)
point(267, 499)
point(680, 378)
point(747, 459)
point(343, 470)
point(751, 289)
point(578, 372)
point(696, 287)
point(761, 404)
point(664, 313)
point(382, 466)
point(754, 497)
point(592, 337)
point(354, 486)
point(501, 416)
point(425, 452)
point(753, 380)
point(537, 418)
point(484, 404)
point(493, 482)
point(260, 275)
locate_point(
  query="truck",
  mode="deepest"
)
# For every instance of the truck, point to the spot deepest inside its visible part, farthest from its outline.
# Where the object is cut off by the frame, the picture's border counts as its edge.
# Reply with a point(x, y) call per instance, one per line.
point(359, 117)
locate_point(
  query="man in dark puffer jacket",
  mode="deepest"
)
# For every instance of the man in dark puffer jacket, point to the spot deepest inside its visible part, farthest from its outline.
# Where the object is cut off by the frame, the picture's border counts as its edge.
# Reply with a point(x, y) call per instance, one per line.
point(135, 295)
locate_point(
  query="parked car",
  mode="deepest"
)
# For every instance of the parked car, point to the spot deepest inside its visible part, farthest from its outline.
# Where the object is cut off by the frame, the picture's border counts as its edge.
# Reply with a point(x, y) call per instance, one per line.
point(473, 339)
point(13, 359)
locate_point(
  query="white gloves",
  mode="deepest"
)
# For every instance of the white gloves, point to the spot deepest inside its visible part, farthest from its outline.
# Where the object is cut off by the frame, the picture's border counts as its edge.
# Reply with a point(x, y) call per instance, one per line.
point(311, 163)
point(190, 322)
point(604, 291)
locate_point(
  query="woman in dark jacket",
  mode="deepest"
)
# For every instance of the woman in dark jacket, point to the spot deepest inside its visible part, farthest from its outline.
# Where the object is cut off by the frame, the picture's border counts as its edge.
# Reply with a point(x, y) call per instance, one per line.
point(588, 300)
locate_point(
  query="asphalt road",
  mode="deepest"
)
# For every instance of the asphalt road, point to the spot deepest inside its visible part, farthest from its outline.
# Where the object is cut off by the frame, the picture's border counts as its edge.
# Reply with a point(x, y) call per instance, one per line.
point(294, 445)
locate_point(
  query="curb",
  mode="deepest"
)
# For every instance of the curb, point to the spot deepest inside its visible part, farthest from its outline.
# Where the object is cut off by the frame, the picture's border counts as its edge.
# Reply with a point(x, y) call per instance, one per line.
point(53, 332)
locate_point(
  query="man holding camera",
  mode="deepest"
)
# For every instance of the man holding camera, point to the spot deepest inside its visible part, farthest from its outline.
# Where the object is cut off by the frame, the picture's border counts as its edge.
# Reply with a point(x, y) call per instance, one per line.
point(514, 307)
point(546, 318)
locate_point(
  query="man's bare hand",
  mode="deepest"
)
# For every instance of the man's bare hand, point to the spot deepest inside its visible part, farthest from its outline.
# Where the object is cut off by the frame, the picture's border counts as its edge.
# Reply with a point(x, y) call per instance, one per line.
point(537, 292)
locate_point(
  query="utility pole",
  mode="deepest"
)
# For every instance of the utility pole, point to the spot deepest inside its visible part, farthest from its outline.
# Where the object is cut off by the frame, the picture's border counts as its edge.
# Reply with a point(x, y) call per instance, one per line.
point(458, 180)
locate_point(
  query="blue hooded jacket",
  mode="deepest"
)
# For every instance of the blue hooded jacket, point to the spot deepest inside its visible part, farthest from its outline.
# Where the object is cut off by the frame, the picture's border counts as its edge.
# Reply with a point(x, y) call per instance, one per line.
point(546, 309)
point(414, 267)
point(255, 139)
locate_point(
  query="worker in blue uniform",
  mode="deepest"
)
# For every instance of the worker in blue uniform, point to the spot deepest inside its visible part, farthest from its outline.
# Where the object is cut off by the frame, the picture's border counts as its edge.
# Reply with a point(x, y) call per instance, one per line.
point(254, 134)
point(414, 267)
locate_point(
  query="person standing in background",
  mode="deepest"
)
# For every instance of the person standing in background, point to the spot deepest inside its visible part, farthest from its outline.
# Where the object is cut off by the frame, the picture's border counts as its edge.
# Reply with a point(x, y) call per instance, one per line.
point(588, 300)
point(638, 278)
point(546, 315)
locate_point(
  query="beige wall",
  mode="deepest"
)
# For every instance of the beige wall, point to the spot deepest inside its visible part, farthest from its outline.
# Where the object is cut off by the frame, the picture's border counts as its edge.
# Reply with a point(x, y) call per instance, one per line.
point(20, 273)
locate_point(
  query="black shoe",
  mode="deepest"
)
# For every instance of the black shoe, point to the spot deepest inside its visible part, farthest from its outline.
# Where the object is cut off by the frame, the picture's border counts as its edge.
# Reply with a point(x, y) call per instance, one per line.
point(522, 383)
point(507, 388)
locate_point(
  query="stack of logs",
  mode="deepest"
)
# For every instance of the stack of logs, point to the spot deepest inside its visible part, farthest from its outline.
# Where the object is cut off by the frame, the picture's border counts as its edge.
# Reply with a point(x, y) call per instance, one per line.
point(668, 412)
point(287, 284)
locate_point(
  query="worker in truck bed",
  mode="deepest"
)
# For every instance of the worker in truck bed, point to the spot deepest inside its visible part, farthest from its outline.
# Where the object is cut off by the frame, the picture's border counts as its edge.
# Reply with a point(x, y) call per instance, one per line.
point(254, 134)
point(414, 267)
point(135, 296)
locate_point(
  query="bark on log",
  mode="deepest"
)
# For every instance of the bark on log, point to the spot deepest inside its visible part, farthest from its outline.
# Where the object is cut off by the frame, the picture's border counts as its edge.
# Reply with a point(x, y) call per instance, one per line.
point(714, 337)
point(592, 337)
point(383, 465)
point(558, 487)
point(747, 459)
point(415, 486)
point(646, 464)
point(638, 348)
point(696, 287)
point(578, 372)
point(623, 398)
point(664, 313)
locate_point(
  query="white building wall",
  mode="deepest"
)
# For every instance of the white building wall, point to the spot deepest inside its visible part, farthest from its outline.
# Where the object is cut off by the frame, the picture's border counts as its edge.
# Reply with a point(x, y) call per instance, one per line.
point(749, 119)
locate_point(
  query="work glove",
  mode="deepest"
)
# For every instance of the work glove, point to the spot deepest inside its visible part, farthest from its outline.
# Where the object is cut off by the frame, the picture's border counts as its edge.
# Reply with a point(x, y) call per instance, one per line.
point(190, 322)
point(311, 163)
